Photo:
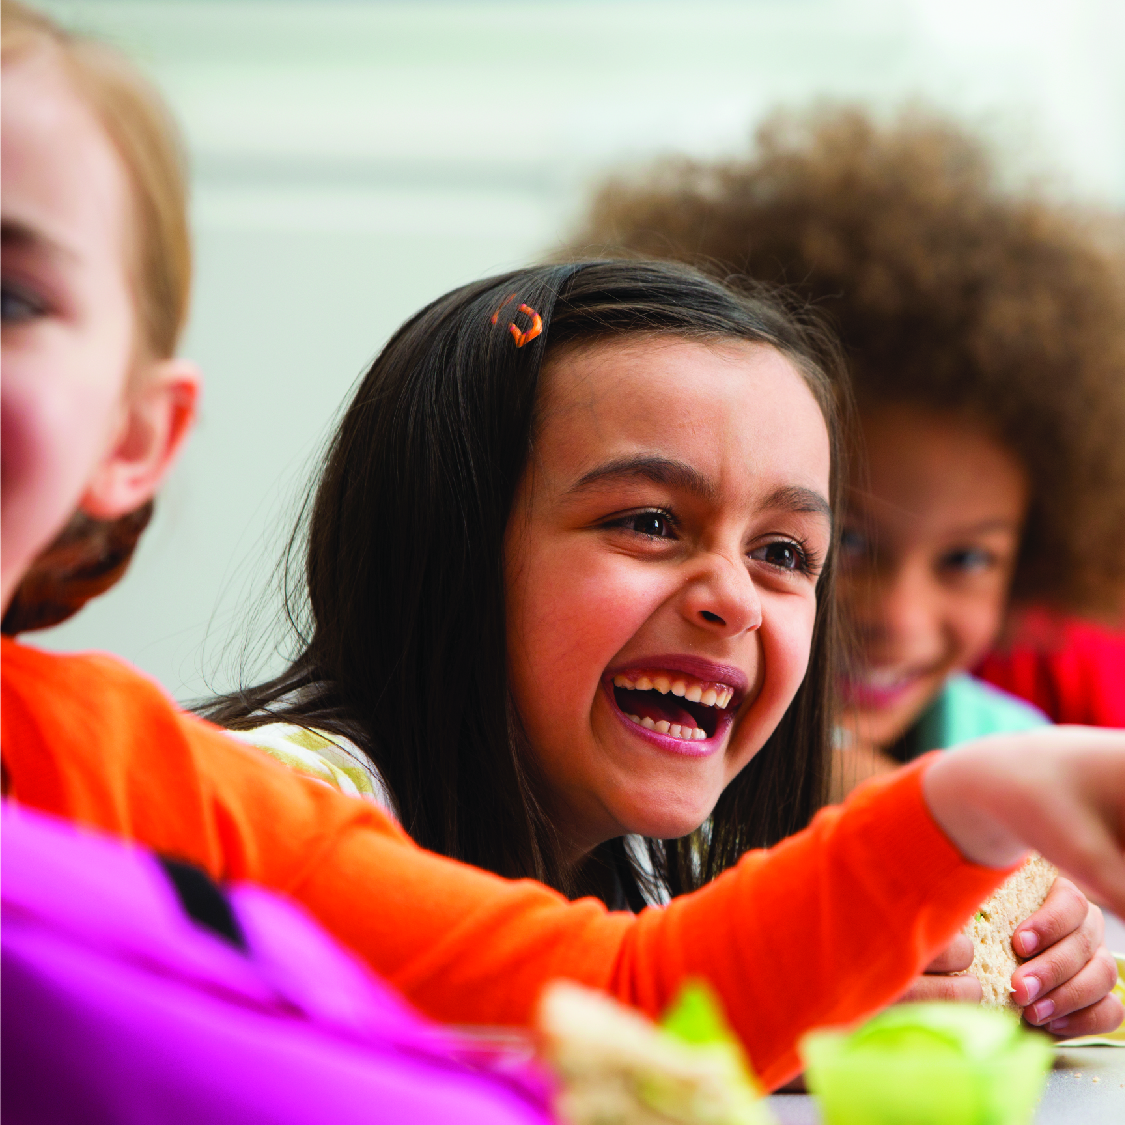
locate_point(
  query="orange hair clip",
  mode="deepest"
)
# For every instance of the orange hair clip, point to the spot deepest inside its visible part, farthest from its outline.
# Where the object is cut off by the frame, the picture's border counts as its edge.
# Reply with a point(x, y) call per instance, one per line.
point(522, 338)
point(535, 328)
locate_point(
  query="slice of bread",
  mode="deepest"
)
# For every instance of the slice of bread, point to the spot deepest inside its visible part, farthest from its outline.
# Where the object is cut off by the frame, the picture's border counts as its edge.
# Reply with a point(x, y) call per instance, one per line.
point(995, 922)
point(615, 1067)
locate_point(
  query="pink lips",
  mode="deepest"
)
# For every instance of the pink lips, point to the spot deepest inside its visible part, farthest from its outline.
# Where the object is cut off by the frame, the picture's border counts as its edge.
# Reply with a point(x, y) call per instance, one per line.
point(698, 668)
point(872, 697)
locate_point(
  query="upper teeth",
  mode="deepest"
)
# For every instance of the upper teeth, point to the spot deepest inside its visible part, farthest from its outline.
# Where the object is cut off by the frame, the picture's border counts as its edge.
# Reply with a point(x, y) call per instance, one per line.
point(884, 678)
point(710, 695)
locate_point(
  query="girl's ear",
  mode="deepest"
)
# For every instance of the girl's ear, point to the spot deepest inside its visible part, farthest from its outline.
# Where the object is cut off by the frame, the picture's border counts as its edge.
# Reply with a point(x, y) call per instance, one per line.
point(154, 424)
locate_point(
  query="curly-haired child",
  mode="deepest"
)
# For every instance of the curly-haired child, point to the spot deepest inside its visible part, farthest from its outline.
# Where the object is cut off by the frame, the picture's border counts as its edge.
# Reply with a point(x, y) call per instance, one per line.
point(985, 333)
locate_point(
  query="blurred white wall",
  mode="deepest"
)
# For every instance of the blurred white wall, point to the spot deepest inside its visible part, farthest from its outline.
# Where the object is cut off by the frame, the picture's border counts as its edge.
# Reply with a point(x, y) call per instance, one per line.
point(353, 160)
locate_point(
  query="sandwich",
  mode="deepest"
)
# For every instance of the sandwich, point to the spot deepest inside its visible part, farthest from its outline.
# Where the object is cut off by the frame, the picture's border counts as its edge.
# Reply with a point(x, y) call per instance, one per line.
point(616, 1067)
point(993, 925)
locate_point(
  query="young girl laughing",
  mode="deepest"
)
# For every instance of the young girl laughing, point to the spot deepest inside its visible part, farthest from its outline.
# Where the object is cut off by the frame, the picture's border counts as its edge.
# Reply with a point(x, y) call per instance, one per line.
point(608, 590)
point(94, 408)
point(597, 648)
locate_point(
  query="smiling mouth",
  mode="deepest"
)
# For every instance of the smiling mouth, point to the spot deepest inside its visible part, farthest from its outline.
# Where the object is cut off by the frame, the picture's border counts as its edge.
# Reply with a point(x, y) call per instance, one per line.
point(674, 704)
point(879, 688)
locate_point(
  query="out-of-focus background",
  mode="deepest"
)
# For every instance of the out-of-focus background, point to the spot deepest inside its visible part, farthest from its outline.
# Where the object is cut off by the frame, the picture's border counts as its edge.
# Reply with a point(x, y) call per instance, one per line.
point(353, 159)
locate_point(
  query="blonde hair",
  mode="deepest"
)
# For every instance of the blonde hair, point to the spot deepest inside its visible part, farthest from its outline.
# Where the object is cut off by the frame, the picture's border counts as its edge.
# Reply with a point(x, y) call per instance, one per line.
point(137, 122)
point(90, 555)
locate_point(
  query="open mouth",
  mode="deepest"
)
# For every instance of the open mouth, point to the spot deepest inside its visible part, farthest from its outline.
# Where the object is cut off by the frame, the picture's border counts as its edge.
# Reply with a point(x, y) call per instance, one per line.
point(675, 704)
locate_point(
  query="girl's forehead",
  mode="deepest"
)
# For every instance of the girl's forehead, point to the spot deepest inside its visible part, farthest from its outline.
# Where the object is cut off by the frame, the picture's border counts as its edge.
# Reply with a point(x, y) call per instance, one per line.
point(666, 377)
point(729, 407)
point(61, 174)
point(920, 461)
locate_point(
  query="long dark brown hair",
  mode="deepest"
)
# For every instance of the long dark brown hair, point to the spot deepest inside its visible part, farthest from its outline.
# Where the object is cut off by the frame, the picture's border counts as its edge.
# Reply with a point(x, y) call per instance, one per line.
point(401, 622)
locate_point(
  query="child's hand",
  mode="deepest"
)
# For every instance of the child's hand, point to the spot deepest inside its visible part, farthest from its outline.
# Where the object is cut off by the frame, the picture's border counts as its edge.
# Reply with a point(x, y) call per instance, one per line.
point(1066, 984)
point(1073, 971)
point(1059, 790)
point(937, 982)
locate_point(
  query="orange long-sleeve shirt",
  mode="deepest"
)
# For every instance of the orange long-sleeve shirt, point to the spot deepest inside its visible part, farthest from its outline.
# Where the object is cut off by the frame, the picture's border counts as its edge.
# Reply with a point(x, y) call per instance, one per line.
point(822, 929)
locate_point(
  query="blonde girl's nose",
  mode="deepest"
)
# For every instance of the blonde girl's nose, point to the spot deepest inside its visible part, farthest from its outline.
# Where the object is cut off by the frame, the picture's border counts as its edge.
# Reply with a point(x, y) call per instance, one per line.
point(724, 600)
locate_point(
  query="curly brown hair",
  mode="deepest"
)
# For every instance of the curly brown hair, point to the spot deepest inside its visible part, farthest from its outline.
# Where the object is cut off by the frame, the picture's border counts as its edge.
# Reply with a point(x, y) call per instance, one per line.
point(951, 290)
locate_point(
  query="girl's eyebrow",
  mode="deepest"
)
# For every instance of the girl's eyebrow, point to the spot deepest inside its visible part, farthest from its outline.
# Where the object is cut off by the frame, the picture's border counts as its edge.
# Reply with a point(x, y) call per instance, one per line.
point(659, 470)
point(679, 474)
point(981, 527)
point(15, 235)
point(797, 498)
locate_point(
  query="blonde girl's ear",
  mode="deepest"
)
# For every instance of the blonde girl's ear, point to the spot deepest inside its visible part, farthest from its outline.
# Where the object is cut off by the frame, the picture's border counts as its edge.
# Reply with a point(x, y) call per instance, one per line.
point(155, 421)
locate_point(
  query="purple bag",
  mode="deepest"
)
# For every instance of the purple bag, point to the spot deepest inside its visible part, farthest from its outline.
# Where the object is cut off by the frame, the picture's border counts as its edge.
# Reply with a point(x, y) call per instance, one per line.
point(136, 991)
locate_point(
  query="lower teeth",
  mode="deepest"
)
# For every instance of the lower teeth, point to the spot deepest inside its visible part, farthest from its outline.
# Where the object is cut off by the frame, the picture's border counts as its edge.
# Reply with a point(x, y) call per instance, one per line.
point(686, 734)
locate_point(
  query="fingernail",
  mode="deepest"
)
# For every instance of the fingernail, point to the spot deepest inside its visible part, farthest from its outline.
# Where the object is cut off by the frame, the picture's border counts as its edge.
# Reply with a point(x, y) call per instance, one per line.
point(1033, 987)
point(1026, 942)
point(1058, 1025)
point(1041, 1011)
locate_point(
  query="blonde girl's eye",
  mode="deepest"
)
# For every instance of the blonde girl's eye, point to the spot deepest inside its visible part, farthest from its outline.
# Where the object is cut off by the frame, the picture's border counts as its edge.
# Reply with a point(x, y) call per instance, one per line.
point(17, 305)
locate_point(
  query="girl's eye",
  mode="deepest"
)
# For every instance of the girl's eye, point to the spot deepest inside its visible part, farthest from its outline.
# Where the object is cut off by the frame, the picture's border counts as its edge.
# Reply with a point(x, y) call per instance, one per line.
point(853, 543)
point(784, 554)
point(968, 559)
point(18, 306)
point(654, 525)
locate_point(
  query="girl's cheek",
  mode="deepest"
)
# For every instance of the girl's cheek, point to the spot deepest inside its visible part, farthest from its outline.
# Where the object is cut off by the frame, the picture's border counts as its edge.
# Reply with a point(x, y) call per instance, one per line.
point(576, 615)
point(61, 404)
point(42, 478)
point(978, 624)
point(787, 640)
point(784, 643)
point(604, 594)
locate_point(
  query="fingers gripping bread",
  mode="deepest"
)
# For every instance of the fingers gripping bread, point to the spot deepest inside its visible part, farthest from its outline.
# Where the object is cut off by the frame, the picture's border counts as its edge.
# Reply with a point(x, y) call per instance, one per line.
point(993, 925)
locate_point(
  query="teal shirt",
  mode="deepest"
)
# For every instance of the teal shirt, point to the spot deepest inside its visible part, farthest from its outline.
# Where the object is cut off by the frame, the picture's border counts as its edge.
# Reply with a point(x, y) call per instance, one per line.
point(969, 708)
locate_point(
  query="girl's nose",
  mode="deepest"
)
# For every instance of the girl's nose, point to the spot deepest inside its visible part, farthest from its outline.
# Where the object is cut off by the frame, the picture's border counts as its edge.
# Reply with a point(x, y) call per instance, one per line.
point(724, 600)
point(901, 611)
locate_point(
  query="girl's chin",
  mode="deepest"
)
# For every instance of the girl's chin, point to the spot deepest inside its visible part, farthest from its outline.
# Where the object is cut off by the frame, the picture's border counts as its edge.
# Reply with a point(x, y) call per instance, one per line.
point(881, 726)
point(662, 804)
point(667, 828)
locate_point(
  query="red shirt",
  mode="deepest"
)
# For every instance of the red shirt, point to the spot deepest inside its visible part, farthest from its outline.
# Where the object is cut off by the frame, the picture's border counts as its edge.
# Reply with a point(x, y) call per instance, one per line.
point(823, 929)
point(1071, 670)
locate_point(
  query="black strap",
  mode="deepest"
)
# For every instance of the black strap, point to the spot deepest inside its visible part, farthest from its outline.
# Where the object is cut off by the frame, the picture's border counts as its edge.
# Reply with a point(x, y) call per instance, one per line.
point(203, 900)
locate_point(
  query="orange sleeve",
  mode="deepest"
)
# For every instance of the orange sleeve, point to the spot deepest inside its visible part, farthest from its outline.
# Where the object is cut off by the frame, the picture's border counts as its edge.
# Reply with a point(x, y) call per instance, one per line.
point(823, 929)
